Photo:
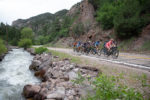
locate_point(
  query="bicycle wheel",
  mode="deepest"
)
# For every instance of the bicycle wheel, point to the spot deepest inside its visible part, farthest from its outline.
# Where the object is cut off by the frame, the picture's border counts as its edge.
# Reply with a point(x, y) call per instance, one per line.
point(100, 52)
point(115, 54)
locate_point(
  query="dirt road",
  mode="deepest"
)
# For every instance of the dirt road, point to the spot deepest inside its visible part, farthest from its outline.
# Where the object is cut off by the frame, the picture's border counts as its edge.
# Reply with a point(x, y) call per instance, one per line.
point(128, 59)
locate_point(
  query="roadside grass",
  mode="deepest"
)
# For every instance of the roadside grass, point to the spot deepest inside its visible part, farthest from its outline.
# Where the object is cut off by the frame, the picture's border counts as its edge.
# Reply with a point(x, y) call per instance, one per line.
point(126, 44)
point(62, 56)
point(53, 45)
point(146, 45)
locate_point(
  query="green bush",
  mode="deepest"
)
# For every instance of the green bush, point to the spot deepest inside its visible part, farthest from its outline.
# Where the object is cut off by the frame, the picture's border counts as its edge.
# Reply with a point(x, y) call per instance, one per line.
point(63, 33)
point(27, 33)
point(105, 88)
point(42, 40)
point(40, 50)
point(146, 46)
point(105, 16)
point(128, 17)
point(127, 21)
point(78, 29)
point(3, 48)
point(25, 43)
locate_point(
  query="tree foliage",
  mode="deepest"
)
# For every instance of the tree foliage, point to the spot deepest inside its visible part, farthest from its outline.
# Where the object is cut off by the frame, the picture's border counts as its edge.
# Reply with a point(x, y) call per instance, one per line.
point(127, 17)
point(9, 34)
point(3, 48)
point(78, 29)
point(40, 50)
point(27, 33)
point(25, 43)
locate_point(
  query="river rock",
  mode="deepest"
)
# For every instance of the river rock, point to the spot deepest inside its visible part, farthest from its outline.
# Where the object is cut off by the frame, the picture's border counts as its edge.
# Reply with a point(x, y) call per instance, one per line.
point(31, 51)
point(58, 94)
point(35, 65)
point(72, 75)
point(30, 90)
point(1, 57)
point(41, 95)
point(57, 79)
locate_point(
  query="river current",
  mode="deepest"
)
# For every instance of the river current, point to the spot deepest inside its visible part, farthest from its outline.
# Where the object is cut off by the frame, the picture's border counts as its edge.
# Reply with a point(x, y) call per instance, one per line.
point(15, 73)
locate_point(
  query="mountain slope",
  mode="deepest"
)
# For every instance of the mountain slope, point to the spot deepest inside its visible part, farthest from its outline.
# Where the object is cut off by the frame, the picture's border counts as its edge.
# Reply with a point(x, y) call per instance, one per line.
point(40, 22)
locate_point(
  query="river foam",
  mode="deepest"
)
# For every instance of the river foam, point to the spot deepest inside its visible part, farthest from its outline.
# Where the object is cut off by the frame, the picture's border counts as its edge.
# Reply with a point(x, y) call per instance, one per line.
point(15, 73)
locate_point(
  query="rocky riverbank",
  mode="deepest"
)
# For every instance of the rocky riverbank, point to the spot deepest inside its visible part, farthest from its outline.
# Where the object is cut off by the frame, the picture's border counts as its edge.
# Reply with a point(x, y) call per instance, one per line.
point(57, 79)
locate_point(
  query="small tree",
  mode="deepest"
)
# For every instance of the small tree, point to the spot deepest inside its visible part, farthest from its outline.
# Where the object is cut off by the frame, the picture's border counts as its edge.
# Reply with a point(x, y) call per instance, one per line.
point(25, 43)
point(3, 49)
point(27, 33)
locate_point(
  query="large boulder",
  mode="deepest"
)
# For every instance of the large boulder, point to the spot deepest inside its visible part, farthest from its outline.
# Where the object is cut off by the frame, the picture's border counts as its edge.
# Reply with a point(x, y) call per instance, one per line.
point(35, 65)
point(30, 91)
point(59, 94)
point(41, 95)
point(31, 51)
point(1, 57)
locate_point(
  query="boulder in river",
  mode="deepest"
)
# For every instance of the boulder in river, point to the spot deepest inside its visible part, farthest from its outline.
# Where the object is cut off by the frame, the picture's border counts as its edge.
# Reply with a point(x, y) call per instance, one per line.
point(31, 90)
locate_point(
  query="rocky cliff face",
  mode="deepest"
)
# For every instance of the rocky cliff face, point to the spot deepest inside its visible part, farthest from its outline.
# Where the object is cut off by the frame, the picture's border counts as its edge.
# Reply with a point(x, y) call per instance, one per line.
point(86, 13)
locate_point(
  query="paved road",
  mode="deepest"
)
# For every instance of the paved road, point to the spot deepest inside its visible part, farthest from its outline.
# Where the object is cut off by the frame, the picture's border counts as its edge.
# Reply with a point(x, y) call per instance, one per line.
point(129, 59)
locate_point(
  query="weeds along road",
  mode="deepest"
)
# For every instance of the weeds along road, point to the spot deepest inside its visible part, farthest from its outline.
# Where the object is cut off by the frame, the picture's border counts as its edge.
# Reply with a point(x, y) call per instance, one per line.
point(128, 59)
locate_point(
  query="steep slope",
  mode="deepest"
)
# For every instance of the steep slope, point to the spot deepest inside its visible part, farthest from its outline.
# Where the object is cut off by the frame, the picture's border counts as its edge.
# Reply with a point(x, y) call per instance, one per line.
point(85, 15)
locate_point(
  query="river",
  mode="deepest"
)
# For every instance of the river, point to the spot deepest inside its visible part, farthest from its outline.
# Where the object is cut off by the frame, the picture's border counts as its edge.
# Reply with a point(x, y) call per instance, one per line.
point(15, 73)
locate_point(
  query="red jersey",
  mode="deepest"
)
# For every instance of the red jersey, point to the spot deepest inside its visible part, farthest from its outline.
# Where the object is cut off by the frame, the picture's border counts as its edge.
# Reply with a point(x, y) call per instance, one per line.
point(108, 44)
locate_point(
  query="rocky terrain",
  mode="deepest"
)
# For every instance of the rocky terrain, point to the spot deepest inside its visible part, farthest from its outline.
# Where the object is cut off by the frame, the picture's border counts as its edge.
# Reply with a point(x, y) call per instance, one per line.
point(57, 79)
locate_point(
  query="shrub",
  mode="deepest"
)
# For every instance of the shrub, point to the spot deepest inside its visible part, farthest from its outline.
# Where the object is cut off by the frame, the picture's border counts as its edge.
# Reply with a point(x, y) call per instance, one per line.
point(25, 43)
point(3, 48)
point(27, 33)
point(78, 29)
point(105, 88)
point(40, 50)
point(127, 21)
point(105, 16)
point(63, 33)
point(146, 45)
point(42, 40)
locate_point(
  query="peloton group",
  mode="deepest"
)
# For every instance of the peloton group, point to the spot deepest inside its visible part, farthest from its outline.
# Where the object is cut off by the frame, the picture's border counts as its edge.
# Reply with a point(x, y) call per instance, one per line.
point(93, 47)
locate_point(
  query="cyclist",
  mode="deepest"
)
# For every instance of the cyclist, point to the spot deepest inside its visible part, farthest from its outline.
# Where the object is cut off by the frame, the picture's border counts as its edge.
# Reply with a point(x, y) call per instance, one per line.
point(74, 44)
point(78, 45)
point(97, 43)
point(109, 44)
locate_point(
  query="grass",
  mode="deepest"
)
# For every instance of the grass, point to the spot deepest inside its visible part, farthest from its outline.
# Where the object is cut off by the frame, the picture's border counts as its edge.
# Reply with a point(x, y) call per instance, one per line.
point(62, 56)
point(146, 46)
point(126, 44)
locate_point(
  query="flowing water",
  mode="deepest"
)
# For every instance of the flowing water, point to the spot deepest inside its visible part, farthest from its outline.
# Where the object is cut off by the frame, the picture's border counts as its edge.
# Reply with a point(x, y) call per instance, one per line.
point(14, 74)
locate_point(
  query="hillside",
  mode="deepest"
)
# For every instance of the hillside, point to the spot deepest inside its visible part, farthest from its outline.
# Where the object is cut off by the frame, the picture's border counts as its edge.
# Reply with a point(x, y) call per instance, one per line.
point(92, 20)
point(40, 24)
